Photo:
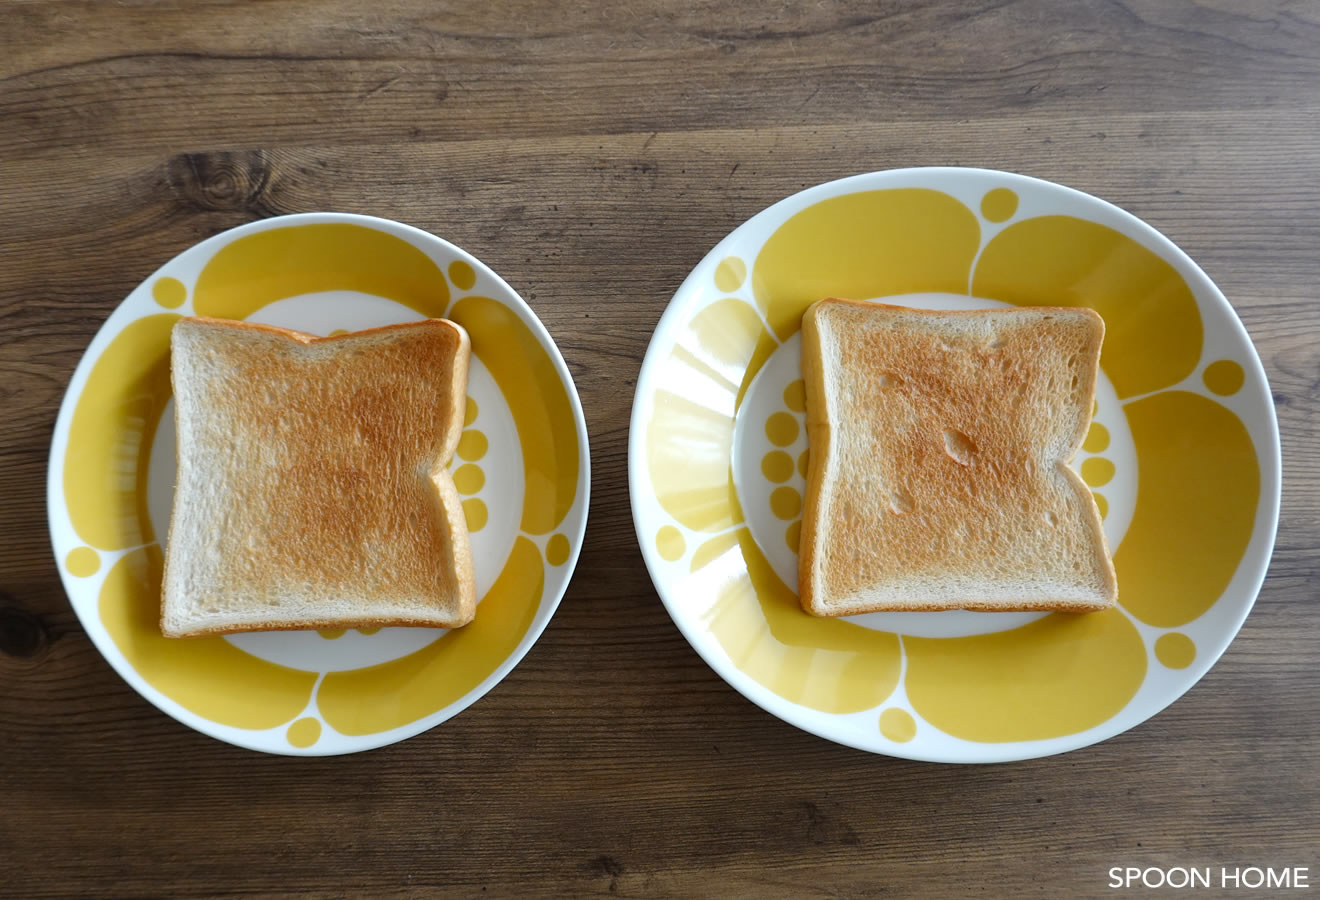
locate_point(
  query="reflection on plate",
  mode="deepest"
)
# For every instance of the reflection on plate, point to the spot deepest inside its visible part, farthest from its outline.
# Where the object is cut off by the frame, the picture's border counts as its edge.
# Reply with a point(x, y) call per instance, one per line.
point(521, 467)
point(1183, 458)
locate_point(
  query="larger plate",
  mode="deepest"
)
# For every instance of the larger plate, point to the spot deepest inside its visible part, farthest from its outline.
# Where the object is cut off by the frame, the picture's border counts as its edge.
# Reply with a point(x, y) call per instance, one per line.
point(522, 467)
point(1183, 458)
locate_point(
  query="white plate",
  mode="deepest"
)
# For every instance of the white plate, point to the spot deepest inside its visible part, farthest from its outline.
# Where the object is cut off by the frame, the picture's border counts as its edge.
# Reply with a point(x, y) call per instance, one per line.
point(522, 467)
point(1183, 459)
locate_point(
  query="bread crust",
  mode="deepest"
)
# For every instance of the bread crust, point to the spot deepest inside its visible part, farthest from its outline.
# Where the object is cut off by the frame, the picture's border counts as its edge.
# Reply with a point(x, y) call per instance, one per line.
point(818, 451)
point(313, 487)
point(934, 479)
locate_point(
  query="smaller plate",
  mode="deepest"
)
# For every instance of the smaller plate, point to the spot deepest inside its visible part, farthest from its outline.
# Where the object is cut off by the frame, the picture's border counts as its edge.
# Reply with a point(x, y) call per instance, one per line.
point(522, 468)
point(1183, 458)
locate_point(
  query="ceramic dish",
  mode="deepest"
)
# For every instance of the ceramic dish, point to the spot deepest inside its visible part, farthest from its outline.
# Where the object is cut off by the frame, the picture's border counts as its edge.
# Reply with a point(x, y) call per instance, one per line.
point(521, 466)
point(1183, 459)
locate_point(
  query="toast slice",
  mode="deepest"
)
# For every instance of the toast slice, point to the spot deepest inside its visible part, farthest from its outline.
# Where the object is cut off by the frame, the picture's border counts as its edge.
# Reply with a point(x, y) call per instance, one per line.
point(938, 476)
point(312, 487)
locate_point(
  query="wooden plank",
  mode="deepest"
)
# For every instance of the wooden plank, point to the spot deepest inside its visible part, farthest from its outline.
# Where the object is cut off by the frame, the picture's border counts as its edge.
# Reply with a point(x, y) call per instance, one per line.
point(94, 76)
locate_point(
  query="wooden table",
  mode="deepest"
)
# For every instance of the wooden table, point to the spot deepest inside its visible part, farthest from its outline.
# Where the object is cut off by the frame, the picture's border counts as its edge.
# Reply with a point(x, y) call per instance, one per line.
point(592, 154)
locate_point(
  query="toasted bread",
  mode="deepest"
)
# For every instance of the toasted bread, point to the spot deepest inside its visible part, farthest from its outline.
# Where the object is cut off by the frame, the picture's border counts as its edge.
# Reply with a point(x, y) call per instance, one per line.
point(939, 447)
point(312, 487)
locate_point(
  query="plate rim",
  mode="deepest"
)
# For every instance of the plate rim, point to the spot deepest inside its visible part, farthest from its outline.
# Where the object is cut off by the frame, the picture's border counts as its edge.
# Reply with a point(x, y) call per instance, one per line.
point(1270, 462)
point(546, 607)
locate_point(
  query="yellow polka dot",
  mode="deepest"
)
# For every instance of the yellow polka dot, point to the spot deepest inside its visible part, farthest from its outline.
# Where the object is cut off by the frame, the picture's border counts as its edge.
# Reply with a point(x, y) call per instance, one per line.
point(169, 292)
point(556, 550)
point(470, 412)
point(469, 479)
point(330, 633)
point(304, 732)
point(782, 429)
point(793, 535)
point(1174, 650)
point(803, 460)
point(898, 725)
point(795, 396)
point(472, 445)
point(461, 274)
point(730, 273)
point(785, 502)
point(1097, 438)
point(338, 331)
point(1224, 377)
point(999, 205)
point(777, 466)
point(475, 513)
point(1095, 407)
point(371, 630)
point(82, 561)
point(1097, 471)
point(669, 542)
point(1101, 504)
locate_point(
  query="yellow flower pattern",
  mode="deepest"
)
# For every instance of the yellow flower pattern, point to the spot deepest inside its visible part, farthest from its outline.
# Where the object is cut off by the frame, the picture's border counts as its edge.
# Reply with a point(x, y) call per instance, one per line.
point(109, 451)
point(1058, 675)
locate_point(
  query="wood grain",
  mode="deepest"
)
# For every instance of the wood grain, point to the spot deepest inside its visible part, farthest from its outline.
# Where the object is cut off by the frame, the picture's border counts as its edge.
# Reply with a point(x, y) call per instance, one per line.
point(592, 154)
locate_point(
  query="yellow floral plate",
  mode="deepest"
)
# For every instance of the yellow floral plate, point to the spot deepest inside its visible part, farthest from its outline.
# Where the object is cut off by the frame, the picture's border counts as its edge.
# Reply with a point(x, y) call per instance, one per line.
point(521, 466)
point(1183, 458)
